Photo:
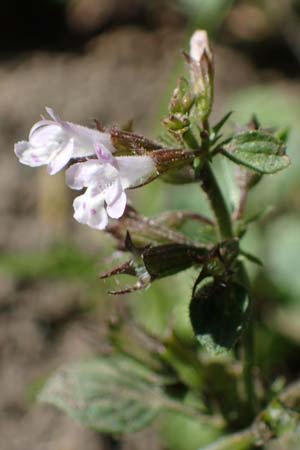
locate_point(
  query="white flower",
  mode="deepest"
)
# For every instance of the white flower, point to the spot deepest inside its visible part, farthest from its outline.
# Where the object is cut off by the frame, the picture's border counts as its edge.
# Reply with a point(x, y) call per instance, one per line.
point(199, 43)
point(106, 179)
point(54, 142)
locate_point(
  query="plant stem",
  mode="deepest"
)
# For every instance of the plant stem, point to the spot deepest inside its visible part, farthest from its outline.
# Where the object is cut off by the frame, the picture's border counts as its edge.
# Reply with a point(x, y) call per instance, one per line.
point(217, 201)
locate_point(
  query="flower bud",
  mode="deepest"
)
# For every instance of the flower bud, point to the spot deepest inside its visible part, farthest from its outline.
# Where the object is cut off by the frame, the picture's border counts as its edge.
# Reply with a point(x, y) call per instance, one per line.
point(199, 44)
point(200, 61)
point(182, 98)
point(176, 122)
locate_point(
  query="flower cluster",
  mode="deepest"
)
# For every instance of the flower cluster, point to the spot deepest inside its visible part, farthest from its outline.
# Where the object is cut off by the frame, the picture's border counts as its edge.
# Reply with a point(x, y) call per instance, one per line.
point(57, 144)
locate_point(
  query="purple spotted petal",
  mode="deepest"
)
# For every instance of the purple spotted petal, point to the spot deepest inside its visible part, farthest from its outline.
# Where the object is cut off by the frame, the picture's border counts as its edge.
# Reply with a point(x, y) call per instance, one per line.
point(89, 209)
point(31, 156)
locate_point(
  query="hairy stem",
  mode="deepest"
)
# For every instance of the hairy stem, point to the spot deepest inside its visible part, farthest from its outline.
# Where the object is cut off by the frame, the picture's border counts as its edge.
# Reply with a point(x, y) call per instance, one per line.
point(217, 201)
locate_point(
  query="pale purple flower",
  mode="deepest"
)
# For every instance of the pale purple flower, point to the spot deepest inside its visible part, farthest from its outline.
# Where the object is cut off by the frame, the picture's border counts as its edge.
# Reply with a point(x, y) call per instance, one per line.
point(106, 179)
point(54, 142)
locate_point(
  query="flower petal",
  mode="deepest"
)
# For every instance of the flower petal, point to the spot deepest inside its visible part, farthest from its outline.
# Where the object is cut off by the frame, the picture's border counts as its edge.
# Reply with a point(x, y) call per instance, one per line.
point(135, 170)
point(116, 209)
point(61, 158)
point(89, 209)
point(39, 124)
point(115, 199)
point(82, 174)
point(45, 134)
point(86, 139)
point(103, 154)
point(32, 156)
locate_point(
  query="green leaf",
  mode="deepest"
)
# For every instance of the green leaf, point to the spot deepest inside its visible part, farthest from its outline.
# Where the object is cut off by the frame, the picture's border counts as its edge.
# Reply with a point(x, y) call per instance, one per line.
point(219, 314)
point(112, 394)
point(216, 128)
point(252, 258)
point(257, 150)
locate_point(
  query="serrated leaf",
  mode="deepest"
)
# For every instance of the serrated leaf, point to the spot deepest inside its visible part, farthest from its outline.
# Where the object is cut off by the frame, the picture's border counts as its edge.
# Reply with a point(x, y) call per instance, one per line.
point(257, 150)
point(219, 314)
point(112, 394)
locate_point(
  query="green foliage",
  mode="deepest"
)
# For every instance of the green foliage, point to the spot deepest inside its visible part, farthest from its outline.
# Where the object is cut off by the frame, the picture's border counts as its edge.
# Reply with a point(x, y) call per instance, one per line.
point(219, 312)
point(111, 394)
point(258, 151)
point(60, 261)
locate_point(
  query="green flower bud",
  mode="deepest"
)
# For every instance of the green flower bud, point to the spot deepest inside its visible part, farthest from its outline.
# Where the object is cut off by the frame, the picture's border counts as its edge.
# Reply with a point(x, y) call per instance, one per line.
point(176, 122)
point(182, 98)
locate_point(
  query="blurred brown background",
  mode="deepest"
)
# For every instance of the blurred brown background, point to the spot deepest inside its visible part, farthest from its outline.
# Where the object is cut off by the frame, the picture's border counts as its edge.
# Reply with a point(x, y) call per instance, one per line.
point(113, 60)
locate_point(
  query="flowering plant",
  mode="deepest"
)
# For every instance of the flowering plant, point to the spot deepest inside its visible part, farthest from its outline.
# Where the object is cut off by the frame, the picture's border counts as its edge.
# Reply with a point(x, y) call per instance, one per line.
point(142, 378)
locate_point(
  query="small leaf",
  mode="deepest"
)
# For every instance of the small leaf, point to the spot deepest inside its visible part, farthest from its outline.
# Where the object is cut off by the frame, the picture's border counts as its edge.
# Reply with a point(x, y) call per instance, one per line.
point(219, 314)
point(111, 394)
point(216, 128)
point(252, 258)
point(258, 151)
point(182, 99)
